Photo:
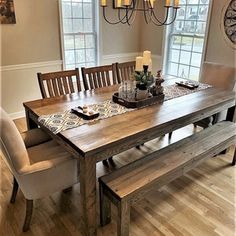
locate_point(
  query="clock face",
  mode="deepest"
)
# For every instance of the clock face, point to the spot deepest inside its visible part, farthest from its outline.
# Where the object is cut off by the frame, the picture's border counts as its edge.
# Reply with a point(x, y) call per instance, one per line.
point(230, 22)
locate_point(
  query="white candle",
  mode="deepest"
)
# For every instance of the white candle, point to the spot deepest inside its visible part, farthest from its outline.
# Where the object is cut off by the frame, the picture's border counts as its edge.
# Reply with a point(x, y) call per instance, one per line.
point(139, 64)
point(103, 3)
point(152, 3)
point(126, 2)
point(176, 3)
point(146, 57)
point(118, 3)
point(167, 2)
point(150, 65)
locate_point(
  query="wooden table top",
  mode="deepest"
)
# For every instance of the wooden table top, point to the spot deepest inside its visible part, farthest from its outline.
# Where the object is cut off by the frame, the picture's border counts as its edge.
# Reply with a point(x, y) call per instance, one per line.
point(121, 132)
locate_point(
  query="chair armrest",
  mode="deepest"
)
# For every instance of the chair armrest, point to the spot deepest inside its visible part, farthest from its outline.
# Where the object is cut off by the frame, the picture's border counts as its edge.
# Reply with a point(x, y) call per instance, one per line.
point(40, 166)
point(34, 137)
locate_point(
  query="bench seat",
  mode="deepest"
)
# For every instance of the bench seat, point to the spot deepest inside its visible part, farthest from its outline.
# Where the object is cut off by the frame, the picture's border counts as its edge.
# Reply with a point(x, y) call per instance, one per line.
point(130, 183)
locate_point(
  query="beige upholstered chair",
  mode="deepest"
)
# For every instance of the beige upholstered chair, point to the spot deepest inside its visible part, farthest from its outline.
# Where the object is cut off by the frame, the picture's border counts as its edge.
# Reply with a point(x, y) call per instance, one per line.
point(39, 165)
point(219, 76)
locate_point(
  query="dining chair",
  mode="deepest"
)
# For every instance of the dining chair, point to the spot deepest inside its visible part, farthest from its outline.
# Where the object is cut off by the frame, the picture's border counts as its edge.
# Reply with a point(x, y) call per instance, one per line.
point(219, 76)
point(59, 83)
point(99, 76)
point(39, 165)
point(125, 70)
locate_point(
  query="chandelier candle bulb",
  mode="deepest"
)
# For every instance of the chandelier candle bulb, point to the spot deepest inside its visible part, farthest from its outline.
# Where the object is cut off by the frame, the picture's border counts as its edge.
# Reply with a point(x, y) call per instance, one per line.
point(152, 3)
point(103, 3)
point(118, 3)
point(176, 3)
point(139, 64)
point(126, 2)
point(168, 3)
point(146, 57)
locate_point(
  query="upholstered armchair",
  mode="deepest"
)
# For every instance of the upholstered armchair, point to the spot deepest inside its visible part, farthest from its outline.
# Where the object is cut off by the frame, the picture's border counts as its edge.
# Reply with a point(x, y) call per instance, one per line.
point(39, 165)
point(219, 76)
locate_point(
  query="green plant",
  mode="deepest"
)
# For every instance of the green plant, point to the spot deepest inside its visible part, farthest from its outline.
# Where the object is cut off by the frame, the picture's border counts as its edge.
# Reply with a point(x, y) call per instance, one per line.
point(143, 79)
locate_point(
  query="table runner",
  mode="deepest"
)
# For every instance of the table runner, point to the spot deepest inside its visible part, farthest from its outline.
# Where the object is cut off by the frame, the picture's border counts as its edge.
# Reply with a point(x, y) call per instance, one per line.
point(61, 121)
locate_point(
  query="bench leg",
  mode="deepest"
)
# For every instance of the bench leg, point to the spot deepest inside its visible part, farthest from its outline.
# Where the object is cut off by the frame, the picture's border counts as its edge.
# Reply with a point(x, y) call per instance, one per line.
point(105, 208)
point(234, 158)
point(123, 219)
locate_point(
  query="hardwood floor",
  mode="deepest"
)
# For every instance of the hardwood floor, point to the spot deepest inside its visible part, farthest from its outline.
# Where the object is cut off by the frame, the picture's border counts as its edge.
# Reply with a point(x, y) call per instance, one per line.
point(201, 203)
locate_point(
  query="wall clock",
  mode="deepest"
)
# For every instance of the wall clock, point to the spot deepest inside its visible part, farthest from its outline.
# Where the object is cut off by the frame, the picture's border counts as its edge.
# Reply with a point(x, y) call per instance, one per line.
point(229, 23)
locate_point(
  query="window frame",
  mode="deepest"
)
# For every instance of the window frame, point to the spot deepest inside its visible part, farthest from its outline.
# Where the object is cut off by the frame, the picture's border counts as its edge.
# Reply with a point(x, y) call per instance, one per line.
point(167, 34)
point(96, 33)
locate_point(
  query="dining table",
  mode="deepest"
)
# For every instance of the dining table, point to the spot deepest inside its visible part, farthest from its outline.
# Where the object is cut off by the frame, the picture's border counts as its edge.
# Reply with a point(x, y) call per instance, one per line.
point(98, 140)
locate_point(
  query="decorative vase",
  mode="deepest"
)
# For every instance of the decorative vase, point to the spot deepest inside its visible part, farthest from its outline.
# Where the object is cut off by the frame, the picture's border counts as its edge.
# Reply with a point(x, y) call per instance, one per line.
point(141, 94)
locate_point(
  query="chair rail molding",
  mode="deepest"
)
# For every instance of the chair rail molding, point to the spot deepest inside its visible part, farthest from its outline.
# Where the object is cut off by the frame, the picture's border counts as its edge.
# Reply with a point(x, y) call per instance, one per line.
point(30, 65)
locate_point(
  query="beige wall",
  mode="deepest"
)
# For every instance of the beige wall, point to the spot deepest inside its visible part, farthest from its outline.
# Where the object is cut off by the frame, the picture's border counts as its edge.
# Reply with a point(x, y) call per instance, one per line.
point(152, 35)
point(118, 39)
point(218, 50)
point(35, 36)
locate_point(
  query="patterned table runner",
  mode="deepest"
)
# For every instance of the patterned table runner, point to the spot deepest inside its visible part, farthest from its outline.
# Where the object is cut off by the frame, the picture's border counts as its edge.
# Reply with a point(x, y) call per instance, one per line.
point(66, 120)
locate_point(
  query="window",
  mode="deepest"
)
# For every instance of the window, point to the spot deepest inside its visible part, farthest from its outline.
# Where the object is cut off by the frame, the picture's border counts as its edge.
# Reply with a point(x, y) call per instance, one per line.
point(186, 38)
point(79, 34)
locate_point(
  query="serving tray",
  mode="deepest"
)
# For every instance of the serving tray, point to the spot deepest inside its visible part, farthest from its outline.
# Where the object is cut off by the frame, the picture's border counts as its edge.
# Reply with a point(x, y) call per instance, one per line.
point(189, 85)
point(86, 116)
point(137, 104)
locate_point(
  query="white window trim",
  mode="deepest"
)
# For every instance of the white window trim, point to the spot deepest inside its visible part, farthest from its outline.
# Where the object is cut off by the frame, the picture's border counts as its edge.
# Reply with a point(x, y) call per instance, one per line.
point(166, 38)
point(97, 28)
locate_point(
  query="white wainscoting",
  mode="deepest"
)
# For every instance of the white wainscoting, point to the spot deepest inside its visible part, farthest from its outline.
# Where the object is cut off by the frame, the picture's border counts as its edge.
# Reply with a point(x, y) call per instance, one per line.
point(19, 83)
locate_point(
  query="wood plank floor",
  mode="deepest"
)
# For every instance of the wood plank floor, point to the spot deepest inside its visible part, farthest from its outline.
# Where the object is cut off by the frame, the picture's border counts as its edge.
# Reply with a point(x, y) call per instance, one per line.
point(201, 203)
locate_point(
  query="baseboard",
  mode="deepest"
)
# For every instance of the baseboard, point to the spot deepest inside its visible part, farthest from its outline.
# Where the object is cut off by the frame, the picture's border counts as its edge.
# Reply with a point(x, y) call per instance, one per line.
point(17, 115)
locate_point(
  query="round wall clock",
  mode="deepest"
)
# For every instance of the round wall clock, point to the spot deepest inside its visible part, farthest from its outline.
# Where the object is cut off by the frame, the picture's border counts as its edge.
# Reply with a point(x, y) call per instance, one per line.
point(229, 23)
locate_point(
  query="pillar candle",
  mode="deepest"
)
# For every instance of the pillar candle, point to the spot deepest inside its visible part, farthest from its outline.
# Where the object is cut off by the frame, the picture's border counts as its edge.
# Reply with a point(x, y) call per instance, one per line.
point(103, 3)
point(139, 64)
point(126, 2)
point(118, 3)
point(150, 65)
point(176, 3)
point(146, 57)
point(167, 2)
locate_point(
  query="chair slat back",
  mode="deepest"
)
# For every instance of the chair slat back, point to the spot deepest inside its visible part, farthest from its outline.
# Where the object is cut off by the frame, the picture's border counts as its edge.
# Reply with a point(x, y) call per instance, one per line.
point(125, 70)
point(100, 76)
point(59, 83)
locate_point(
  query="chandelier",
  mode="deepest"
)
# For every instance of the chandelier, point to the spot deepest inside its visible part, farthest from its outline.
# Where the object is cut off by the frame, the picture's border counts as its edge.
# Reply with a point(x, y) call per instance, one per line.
point(127, 10)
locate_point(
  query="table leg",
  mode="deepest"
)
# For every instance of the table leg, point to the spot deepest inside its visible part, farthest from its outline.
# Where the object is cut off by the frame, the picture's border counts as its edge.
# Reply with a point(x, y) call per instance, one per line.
point(88, 195)
point(230, 117)
point(30, 123)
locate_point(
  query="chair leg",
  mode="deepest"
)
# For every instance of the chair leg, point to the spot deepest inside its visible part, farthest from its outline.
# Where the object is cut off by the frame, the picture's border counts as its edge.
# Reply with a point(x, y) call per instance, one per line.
point(234, 158)
point(170, 135)
point(105, 163)
point(105, 208)
point(14, 191)
point(123, 219)
point(67, 190)
point(28, 214)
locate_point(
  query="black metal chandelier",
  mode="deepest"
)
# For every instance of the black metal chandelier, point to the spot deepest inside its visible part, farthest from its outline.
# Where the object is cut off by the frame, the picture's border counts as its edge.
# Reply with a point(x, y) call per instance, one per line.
point(127, 10)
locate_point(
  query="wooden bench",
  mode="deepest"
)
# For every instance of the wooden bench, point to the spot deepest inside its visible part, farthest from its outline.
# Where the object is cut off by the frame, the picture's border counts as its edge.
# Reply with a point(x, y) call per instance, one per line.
point(130, 183)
